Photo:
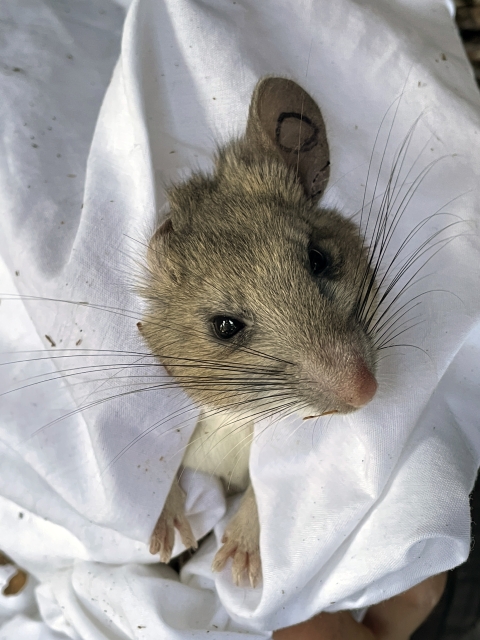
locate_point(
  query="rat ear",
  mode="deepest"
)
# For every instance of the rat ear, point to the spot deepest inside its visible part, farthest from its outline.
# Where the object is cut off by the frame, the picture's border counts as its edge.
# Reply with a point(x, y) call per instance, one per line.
point(159, 241)
point(159, 262)
point(284, 118)
point(185, 198)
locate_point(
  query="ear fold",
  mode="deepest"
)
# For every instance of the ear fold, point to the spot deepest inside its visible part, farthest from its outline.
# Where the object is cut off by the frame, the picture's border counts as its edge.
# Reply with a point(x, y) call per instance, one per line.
point(284, 118)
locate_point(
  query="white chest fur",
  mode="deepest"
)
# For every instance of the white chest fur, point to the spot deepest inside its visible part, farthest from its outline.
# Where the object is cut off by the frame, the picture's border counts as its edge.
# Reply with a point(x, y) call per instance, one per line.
point(221, 446)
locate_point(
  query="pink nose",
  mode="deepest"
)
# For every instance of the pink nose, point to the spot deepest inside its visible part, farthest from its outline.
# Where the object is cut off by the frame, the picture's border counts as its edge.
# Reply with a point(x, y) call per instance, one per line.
point(361, 388)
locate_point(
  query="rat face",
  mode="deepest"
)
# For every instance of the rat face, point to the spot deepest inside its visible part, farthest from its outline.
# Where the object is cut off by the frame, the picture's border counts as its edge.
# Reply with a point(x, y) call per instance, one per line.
point(254, 294)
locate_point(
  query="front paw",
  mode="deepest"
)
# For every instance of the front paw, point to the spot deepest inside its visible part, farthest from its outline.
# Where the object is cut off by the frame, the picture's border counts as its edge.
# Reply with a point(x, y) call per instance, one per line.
point(241, 543)
point(172, 517)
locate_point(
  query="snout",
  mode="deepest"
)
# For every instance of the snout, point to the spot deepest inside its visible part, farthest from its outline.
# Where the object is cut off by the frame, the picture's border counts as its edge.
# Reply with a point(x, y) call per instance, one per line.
point(343, 387)
point(360, 387)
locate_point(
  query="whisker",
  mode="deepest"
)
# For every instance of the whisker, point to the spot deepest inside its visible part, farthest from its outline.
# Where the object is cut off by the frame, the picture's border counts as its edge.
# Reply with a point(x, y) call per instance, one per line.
point(381, 346)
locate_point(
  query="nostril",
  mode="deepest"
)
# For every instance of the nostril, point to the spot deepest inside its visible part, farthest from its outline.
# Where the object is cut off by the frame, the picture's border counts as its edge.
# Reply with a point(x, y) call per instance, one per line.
point(349, 385)
point(364, 386)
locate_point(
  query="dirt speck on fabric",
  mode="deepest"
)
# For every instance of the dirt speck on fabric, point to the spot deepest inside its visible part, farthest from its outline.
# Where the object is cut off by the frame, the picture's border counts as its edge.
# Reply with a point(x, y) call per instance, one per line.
point(51, 341)
point(15, 584)
point(78, 342)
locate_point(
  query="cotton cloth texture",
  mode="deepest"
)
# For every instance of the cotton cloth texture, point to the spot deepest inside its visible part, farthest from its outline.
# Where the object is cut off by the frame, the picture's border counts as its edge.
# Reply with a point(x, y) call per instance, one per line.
point(99, 114)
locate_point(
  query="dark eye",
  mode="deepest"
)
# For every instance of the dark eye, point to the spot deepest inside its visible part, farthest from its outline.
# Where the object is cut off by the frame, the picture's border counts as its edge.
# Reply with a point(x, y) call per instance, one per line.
point(319, 261)
point(225, 327)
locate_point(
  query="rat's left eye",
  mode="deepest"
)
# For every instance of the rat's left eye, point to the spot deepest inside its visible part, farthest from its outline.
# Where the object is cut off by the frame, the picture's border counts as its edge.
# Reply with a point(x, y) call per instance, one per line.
point(225, 327)
point(319, 261)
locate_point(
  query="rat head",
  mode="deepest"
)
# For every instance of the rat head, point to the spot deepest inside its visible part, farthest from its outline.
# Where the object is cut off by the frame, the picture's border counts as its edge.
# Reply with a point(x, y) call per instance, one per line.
point(253, 291)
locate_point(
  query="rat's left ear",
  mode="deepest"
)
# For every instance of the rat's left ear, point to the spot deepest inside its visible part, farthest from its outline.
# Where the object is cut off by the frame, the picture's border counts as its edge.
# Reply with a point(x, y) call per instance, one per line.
point(283, 117)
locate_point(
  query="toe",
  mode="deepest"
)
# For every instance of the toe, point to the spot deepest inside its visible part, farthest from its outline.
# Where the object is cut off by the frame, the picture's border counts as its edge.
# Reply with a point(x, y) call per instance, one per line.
point(157, 537)
point(154, 545)
point(186, 533)
point(167, 544)
point(240, 561)
point(254, 568)
point(223, 554)
point(162, 539)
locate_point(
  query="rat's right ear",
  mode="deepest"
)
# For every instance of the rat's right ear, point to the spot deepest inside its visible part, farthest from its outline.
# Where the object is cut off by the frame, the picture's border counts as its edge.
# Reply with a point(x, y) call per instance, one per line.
point(285, 119)
point(160, 263)
point(159, 242)
point(162, 234)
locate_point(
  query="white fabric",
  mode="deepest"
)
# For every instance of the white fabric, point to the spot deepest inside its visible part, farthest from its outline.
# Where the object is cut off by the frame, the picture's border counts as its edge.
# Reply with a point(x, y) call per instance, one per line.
point(352, 509)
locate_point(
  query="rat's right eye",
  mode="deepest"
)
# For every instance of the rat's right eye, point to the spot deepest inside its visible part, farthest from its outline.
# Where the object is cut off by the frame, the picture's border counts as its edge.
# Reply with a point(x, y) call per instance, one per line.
point(319, 261)
point(225, 327)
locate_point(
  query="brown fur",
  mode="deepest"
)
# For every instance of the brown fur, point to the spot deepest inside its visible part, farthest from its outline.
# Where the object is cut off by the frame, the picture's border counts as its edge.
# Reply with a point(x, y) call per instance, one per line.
point(238, 247)
point(236, 243)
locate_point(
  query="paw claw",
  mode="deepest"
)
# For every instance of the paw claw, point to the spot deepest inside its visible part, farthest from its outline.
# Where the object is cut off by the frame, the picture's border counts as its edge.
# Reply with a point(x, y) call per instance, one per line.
point(240, 563)
point(223, 554)
point(186, 534)
point(154, 546)
point(246, 562)
point(172, 517)
point(241, 543)
point(254, 568)
point(163, 538)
